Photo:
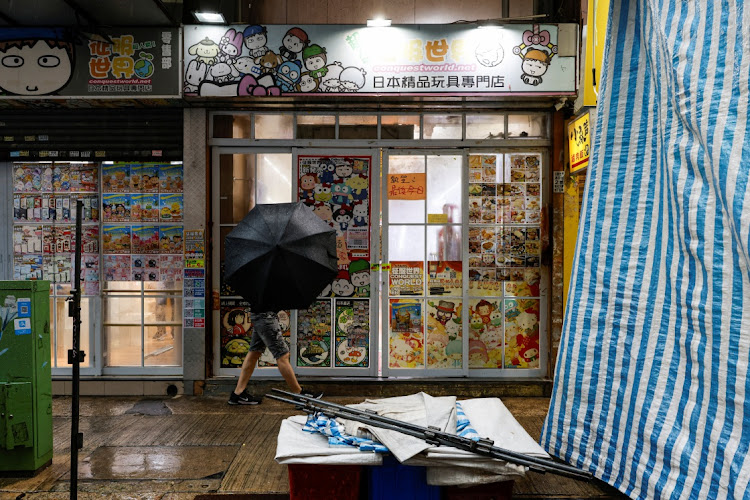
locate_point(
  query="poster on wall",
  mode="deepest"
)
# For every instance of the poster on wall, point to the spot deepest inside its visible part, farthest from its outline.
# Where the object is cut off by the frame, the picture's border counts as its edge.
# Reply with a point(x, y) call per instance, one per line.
point(444, 277)
point(314, 334)
point(352, 332)
point(406, 278)
point(405, 334)
point(522, 333)
point(128, 62)
point(485, 333)
point(444, 334)
point(261, 60)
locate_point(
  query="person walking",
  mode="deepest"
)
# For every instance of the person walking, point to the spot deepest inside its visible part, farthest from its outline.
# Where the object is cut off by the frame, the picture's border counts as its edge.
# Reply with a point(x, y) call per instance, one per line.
point(267, 332)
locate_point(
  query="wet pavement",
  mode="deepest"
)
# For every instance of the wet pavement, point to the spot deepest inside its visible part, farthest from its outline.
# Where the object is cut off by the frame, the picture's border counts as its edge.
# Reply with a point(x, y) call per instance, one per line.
point(199, 447)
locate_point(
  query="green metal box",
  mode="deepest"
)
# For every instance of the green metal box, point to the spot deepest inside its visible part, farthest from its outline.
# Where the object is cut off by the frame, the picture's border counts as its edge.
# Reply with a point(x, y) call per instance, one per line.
point(25, 376)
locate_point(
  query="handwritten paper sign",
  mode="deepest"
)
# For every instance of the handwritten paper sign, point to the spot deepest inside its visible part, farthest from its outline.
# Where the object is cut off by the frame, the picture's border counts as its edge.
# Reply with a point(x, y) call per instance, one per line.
point(407, 186)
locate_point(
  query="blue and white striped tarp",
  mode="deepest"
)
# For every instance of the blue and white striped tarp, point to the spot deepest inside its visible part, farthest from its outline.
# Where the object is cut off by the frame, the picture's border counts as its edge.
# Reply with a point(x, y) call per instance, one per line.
point(651, 385)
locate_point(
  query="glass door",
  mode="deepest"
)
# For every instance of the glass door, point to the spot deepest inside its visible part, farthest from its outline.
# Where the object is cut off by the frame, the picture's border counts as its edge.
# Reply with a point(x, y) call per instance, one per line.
point(464, 286)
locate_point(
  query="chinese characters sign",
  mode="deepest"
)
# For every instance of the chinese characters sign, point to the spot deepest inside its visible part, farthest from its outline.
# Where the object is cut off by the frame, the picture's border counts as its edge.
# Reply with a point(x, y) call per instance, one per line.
point(49, 62)
point(579, 142)
point(407, 186)
point(258, 60)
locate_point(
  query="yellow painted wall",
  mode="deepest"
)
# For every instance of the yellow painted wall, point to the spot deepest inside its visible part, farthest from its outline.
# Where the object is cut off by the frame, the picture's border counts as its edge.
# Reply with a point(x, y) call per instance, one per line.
point(571, 216)
point(596, 35)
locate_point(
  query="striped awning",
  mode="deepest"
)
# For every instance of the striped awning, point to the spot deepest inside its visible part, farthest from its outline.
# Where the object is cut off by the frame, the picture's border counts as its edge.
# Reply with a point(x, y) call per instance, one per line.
point(651, 384)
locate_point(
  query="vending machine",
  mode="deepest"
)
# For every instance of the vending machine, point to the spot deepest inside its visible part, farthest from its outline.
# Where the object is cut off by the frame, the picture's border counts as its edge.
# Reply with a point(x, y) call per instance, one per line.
point(25, 376)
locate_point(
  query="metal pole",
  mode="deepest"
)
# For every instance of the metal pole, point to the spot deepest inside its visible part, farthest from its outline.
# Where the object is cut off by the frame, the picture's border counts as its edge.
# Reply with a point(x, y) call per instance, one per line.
point(75, 355)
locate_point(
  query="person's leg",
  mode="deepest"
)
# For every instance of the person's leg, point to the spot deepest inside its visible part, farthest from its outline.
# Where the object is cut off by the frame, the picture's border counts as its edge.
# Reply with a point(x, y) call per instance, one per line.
point(248, 366)
point(286, 370)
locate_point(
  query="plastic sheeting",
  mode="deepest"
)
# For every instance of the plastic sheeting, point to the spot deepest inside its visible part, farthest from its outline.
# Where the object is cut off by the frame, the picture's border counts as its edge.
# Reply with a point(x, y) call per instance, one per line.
point(652, 379)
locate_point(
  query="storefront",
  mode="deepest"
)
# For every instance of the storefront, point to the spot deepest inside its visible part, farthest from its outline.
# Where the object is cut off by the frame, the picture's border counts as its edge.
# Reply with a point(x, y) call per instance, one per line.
point(103, 126)
point(440, 205)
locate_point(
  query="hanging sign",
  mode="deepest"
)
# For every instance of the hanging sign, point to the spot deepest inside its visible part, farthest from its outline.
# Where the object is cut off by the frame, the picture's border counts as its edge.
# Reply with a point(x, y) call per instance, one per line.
point(258, 60)
point(126, 62)
point(579, 141)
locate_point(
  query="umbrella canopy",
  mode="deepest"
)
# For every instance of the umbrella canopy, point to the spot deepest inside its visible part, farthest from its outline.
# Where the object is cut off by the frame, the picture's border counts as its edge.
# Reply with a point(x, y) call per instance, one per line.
point(280, 256)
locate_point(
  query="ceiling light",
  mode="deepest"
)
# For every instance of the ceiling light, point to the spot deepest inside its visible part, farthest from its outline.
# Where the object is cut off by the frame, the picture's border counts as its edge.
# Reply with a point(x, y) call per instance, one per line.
point(489, 23)
point(378, 23)
point(209, 17)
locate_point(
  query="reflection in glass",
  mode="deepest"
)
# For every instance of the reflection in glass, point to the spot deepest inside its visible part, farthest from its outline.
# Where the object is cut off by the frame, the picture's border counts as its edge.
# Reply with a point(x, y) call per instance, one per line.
point(444, 186)
point(274, 179)
point(399, 127)
point(442, 126)
point(228, 126)
point(406, 243)
point(444, 242)
point(483, 127)
point(527, 126)
point(273, 126)
point(163, 345)
point(122, 346)
point(63, 331)
point(236, 186)
point(316, 127)
point(358, 127)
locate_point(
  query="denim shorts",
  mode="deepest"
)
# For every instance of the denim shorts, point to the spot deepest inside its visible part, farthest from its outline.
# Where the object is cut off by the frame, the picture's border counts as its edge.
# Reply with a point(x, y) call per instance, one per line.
point(267, 333)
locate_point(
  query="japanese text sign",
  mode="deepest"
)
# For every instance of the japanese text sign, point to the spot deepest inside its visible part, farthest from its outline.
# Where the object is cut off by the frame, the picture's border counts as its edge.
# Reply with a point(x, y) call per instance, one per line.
point(262, 60)
point(579, 142)
point(407, 186)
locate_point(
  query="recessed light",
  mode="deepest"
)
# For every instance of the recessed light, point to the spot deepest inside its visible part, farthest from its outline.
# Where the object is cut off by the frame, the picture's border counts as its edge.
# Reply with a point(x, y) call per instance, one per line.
point(209, 17)
point(378, 23)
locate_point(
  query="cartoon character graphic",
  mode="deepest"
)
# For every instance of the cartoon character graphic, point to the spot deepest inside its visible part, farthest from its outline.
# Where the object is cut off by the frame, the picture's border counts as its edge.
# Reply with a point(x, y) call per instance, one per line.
point(342, 217)
point(143, 67)
point(307, 185)
point(255, 40)
point(246, 66)
point(359, 187)
point(359, 275)
point(344, 170)
point(489, 53)
point(287, 75)
point(536, 52)
point(222, 73)
point(230, 46)
point(328, 171)
point(323, 192)
point(341, 194)
point(330, 82)
point(359, 214)
point(269, 62)
point(314, 58)
point(351, 79)
point(444, 311)
point(293, 43)
point(205, 51)
point(307, 83)
point(341, 286)
point(324, 211)
point(35, 61)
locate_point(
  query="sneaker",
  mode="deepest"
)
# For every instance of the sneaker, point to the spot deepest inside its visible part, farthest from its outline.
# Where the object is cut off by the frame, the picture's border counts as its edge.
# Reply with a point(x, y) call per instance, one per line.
point(243, 399)
point(311, 394)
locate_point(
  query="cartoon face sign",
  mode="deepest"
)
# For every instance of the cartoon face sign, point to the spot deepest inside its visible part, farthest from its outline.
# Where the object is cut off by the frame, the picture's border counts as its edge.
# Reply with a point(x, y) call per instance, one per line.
point(246, 66)
point(205, 51)
point(352, 79)
point(342, 287)
point(344, 170)
point(307, 83)
point(255, 38)
point(534, 66)
point(293, 43)
point(324, 211)
point(307, 182)
point(323, 192)
point(36, 69)
point(288, 72)
point(360, 278)
point(315, 62)
point(360, 210)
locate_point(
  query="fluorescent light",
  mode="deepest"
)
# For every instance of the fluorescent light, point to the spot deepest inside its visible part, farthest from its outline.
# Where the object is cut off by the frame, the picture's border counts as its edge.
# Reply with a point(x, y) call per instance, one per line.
point(489, 23)
point(209, 17)
point(378, 23)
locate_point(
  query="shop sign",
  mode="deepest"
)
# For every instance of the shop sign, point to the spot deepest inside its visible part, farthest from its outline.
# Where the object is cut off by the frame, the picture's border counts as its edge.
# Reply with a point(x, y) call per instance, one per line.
point(127, 62)
point(257, 60)
point(579, 143)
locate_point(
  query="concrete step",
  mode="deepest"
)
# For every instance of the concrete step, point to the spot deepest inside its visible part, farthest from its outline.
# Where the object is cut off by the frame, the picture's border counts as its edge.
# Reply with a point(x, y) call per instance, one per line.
point(381, 388)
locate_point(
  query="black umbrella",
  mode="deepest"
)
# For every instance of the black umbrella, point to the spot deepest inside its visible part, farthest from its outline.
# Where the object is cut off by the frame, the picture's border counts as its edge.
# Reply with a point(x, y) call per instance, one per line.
point(280, 256)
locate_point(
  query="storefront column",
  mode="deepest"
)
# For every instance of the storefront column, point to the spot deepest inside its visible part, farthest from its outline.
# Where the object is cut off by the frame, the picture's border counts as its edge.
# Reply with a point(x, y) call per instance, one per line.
point(557, 290)
point(196, 181)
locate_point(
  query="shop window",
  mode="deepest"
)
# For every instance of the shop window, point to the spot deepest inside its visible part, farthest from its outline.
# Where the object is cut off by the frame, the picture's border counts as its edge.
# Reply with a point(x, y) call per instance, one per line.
point(269, 126)
point(442, 126)
point(527, 126)
point(316, 127)
point(486, 126)
point(399, 127)
point(358, 127)
point(231, 126)
point(403, 209)
point(62, 330)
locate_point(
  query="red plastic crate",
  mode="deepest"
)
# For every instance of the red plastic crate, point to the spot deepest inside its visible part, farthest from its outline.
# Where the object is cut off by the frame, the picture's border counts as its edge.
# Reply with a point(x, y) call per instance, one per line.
point(492, 491)
point(324, 482)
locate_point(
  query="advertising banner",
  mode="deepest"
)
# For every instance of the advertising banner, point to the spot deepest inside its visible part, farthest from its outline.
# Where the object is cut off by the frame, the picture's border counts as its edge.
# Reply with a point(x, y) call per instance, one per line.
point(126, 62)
point(257, 60)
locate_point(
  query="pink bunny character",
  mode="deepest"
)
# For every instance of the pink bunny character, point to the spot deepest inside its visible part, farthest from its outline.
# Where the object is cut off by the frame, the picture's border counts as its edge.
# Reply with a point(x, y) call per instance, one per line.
point(230, 45)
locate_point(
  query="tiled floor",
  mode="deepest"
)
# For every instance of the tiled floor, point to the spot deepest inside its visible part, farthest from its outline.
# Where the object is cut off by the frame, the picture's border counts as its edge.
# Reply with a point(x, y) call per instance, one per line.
point(190, 446)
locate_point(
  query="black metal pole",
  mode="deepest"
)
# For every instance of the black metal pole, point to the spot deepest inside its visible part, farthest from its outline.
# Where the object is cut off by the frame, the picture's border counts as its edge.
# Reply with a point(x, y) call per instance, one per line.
point(75, 355)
